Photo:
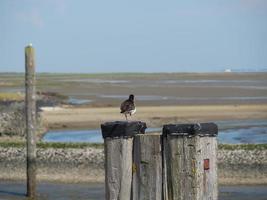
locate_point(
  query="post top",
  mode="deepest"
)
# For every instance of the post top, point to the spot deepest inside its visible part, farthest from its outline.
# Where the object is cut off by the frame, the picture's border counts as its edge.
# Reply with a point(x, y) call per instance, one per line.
point(122, 128)
point(201, 129)
point(29, 45)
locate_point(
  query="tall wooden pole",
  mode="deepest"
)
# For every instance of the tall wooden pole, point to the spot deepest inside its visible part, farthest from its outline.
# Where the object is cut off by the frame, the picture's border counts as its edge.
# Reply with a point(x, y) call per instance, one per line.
point(118, 145)
point(30, 109)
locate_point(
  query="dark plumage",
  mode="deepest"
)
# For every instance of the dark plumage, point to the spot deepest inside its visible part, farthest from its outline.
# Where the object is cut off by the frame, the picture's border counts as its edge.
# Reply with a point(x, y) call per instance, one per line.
point(128, 106)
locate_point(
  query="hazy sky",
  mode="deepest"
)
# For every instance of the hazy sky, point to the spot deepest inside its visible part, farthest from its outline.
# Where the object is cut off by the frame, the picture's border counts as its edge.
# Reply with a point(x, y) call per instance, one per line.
point(138, 35)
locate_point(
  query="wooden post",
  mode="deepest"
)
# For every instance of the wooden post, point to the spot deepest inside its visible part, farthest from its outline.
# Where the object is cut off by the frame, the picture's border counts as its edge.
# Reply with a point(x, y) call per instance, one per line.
point(147, 167)
point(30, 110)
point(118, 147)
point(190, 165)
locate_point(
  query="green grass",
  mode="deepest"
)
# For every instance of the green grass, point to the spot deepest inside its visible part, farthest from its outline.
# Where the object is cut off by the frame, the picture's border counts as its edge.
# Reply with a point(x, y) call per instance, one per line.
point(243, 146)
point(69, 145)
point(5, 96)
point(45, 145)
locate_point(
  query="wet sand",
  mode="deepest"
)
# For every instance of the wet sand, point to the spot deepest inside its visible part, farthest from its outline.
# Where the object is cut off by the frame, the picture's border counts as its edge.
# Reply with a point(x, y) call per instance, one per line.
point(160, 97)
point(95, 191)
point(162, 89)
point(159, 89)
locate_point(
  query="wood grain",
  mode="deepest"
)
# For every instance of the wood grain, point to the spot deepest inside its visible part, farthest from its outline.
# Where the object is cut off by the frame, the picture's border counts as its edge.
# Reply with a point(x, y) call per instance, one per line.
point(118, 168)
point(30, 106)
point(185, 177)
point(147, 171)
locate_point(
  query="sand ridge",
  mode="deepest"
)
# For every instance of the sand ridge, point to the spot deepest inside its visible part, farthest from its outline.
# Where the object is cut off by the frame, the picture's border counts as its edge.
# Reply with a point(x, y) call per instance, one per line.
point(71, 117)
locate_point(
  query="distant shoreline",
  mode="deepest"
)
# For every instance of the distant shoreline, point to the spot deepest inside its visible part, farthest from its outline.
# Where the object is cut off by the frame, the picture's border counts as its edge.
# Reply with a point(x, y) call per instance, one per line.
point(156, 89)
point(136, 73)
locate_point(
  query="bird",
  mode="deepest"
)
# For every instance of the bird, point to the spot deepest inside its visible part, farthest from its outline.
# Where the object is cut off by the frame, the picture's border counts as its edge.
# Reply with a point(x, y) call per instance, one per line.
point(128, 106)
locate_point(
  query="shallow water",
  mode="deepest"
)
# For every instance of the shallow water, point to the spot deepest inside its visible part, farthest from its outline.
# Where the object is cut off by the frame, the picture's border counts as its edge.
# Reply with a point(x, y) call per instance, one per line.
point(243, 192)
point(253, 135)
point(93, 136)
point(92, 80)
point(95, 191)
point(53, 191)
point(230, 132)
point(76, 101)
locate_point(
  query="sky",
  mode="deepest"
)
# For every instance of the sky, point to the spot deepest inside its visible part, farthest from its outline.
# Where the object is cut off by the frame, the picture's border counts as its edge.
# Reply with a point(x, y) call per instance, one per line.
point(102, 36)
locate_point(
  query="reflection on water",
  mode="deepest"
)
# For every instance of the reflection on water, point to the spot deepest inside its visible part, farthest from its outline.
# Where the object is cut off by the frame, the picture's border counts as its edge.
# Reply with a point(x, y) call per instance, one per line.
point(230, 132)
point(95, 191)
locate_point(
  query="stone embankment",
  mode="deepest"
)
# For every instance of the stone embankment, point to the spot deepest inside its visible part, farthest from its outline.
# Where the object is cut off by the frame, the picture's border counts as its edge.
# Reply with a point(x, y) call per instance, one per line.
point(87, 165)
point(13, 122)
point(242, 166)
point(67, 165)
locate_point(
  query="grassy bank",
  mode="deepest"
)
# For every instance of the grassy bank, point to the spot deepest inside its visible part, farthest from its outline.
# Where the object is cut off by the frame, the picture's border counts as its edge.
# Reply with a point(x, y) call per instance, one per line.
point(56, 145)
point(6, 96)
point(243, 146)
point(19, 144)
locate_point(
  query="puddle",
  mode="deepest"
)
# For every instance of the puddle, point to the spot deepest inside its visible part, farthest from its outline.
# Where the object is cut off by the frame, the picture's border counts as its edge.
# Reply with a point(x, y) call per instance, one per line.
point(75, 101)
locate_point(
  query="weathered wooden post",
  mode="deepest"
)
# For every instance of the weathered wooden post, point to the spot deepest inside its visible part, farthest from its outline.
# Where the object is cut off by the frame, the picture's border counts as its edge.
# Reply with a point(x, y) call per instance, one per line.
point(118, 147)
point(147, 167)
point(30, 109)
point(190, 168)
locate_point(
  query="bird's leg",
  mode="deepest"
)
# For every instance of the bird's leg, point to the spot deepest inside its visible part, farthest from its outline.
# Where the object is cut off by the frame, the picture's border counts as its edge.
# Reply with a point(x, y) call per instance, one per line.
point(126, 117)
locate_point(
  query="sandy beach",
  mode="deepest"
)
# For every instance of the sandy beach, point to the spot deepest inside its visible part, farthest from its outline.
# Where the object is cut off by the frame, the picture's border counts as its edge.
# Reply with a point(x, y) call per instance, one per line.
point(154, 116)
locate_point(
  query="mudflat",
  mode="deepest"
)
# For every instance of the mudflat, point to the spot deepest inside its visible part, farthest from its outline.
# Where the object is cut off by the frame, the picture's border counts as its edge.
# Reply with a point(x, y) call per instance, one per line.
point(158, 89)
